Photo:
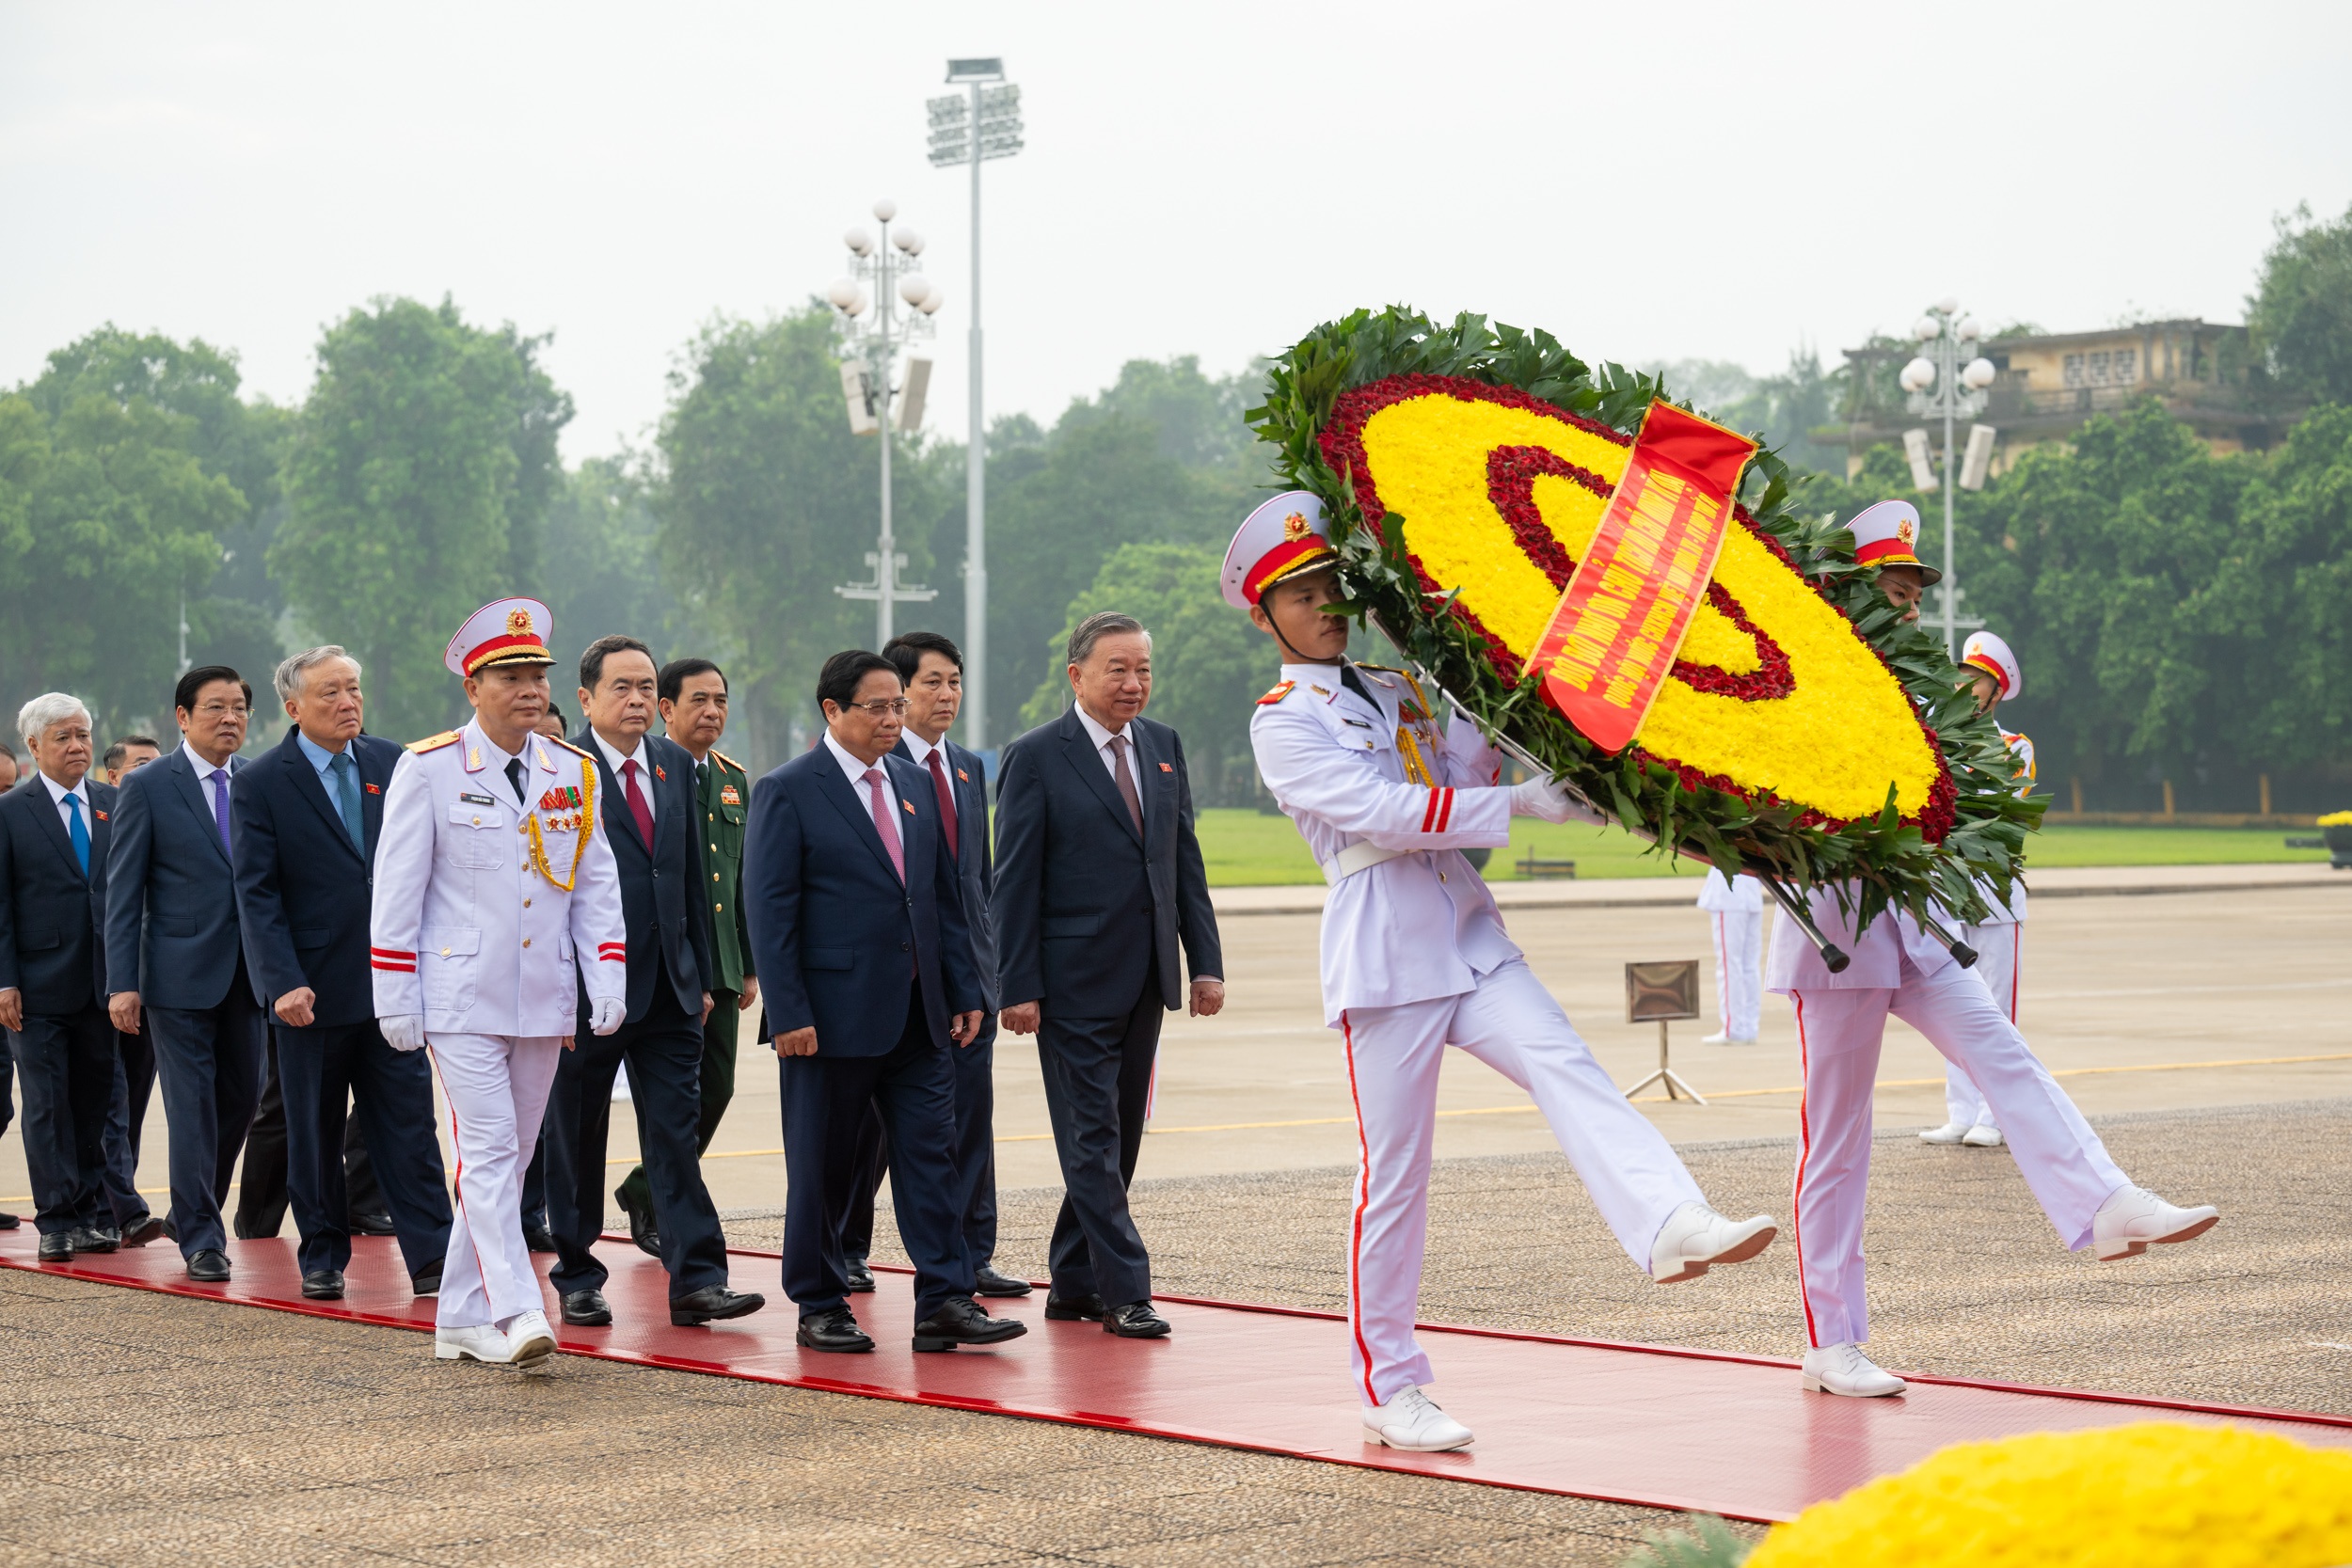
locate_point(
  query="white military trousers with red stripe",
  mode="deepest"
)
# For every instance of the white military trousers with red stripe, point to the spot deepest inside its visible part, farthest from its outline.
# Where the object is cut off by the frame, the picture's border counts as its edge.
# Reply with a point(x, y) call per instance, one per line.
point(1510, 1023)
point(1839, 1031)
point(496, 1089)
point(1998, 948)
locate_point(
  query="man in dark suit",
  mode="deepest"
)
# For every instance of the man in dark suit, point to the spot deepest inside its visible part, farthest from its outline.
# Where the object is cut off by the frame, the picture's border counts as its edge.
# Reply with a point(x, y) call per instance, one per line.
point(646, 790)
point(304, 823)
point(174, 960)
point(134, 1060)
point(932, 668)
point(862, 946)
point(53, 832)
point(1098, 881)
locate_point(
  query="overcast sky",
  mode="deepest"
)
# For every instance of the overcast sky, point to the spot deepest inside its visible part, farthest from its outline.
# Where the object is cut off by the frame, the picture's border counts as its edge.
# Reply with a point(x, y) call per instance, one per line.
point(1647, 182)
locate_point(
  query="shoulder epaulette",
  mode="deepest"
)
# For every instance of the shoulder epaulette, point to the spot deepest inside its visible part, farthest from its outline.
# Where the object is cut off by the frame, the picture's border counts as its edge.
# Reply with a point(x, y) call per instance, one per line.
point(1277, 695)
point(434, 742)
point(1384, 669)
point(729, 761)
point(565, 744)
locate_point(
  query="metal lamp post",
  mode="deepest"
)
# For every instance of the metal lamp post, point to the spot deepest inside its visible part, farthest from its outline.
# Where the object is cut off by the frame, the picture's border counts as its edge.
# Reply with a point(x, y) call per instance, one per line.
point(970, 130)
point(1942, 387)
point(870, 347)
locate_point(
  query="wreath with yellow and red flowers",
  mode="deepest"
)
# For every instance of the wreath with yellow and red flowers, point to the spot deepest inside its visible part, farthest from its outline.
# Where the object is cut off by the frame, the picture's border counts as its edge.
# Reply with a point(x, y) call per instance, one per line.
point(1806, 731)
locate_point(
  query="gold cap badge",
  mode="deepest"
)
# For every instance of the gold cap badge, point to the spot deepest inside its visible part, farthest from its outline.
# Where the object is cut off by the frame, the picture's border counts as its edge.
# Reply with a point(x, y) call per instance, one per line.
point(519, 620)
point(1296, 527)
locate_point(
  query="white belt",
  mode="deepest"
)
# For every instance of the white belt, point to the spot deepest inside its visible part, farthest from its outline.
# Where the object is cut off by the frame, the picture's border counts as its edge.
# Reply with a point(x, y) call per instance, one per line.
point(1358, 857)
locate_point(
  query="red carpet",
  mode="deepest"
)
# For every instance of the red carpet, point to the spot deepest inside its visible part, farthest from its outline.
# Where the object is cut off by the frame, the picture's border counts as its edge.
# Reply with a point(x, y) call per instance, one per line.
point(1730, 1434)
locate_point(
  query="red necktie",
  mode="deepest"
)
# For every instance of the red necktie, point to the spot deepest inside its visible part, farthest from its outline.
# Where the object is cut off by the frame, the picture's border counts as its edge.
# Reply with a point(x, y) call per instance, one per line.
point(946, 803)
point(884, 824)
point(638, 807)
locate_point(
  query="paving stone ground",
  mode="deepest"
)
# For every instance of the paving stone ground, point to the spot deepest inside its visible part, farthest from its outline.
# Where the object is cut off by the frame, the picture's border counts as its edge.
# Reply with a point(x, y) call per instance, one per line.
point(143, 1428)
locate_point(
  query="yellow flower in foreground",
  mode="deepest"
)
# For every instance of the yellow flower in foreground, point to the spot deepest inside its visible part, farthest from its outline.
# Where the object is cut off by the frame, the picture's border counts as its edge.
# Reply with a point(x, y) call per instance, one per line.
point(2156, 1495)
point(2337, 819)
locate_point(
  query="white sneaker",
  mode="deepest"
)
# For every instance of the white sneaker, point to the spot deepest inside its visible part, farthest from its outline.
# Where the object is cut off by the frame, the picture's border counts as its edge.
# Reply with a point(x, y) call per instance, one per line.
point(2133, 1218)
point(1721, 1037)
point(1412, 1421)
point(1950, 1132)
point(529, 1342)
point(475, 1343)
point(1844, 1370)
point(1981, 1136)
point(1695, 1238)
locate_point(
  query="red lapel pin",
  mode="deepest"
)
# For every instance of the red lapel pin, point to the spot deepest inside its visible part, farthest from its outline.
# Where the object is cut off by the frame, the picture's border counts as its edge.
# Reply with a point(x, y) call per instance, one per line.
point(964, 776)
point(100, 815)
point(1165, 768)
point(910, 805)
point(660, 774)
point(372, 789)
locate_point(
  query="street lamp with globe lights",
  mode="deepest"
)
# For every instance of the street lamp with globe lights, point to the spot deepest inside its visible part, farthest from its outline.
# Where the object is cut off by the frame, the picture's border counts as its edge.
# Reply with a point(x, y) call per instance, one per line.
point(885, 273)
point(1939, 383)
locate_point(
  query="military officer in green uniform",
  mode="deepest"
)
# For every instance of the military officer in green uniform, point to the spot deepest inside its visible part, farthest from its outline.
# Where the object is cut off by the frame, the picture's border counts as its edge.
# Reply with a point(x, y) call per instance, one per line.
point(693, 694)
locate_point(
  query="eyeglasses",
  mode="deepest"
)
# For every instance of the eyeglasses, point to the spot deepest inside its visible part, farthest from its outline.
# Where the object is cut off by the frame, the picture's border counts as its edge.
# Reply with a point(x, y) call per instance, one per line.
point(882, 708)
point(215, 710)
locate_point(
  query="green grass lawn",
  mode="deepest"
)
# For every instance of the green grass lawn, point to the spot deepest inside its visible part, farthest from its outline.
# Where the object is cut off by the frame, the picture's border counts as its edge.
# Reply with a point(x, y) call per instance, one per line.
point(1243, 848)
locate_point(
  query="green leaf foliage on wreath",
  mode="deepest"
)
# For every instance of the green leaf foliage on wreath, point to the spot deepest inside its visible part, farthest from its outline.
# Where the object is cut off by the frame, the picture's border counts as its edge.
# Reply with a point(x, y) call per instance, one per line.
point(1874, 864)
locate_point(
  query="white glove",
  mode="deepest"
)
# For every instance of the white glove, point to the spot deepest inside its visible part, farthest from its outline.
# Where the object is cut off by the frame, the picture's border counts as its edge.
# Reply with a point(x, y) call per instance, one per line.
point(402, 1032)
point(1542, 798)
point(607, 1014)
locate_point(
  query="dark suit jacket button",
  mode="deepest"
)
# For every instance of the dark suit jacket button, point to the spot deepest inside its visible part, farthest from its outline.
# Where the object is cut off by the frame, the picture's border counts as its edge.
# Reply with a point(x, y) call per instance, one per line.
point(902, 948)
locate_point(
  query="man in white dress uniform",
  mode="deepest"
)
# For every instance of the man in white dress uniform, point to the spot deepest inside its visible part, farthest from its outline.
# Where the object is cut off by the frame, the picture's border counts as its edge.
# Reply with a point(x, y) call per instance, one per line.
point(1734, 907)
point(493, 885)
point(1386, 791)
point(1899, 968)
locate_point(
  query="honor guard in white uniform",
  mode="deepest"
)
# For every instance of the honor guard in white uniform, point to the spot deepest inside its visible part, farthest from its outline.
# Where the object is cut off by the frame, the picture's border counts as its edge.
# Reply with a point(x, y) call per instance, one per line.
point(1387, 790)
point(1899, 968)
point(495, 898)
point(1993, 670)
point(1735, 906)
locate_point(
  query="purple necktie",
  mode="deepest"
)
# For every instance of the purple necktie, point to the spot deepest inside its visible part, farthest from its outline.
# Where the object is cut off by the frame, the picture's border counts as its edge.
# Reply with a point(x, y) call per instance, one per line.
point(885, 824)
point(220, 805)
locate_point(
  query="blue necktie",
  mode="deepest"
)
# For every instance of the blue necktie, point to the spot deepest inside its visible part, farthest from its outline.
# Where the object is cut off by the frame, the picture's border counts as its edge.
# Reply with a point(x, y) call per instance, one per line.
point(79, 830)
point(220, 807)
point(347, 800)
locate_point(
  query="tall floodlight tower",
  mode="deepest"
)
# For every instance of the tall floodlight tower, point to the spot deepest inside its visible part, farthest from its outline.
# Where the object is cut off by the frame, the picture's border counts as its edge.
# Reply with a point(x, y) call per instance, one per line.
point(981, 123)
point(1942, 387)
point(870, 380)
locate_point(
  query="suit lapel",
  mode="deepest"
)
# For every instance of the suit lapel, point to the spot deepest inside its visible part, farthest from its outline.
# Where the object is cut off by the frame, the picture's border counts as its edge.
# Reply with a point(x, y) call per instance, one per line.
point(183, 777)
point(53, 826)
point(971, 790)
point(1079, 749)
point(855, 810)
point(312, 788)
point(379, 773)
point(1158, 804)
point(586, 741)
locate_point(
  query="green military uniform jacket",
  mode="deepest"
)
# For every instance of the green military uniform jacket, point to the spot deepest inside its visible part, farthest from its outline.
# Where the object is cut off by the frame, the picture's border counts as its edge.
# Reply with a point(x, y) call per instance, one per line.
point(726, 794)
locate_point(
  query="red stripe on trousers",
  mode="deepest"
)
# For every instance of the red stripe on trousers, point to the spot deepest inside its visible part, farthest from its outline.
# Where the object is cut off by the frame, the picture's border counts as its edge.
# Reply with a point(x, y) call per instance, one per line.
point(1356, 1224)
point(457, 1185)
point(1804, 1152)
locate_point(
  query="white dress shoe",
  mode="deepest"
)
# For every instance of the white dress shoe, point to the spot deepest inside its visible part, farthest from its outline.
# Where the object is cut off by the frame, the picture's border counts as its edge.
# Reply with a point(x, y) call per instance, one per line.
point(1844, 1370)
point(528, 1340)
point(1721, 1039)
point(2132, 1219)
point(1950, 1132)
point(1412, 1421)
point(1981, 1136)
point(1695, 1238)
point(475, 1343)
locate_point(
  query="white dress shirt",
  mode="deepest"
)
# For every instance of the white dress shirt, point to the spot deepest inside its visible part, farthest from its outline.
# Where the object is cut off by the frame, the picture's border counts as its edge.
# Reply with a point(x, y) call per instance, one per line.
point(644, 772)
point(204, 771)
point(855, 770)
point(80, 791)
point(1102, 738)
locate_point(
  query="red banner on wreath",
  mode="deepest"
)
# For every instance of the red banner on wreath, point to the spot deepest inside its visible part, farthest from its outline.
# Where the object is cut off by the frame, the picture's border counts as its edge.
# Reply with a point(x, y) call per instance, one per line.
point(1619, 625)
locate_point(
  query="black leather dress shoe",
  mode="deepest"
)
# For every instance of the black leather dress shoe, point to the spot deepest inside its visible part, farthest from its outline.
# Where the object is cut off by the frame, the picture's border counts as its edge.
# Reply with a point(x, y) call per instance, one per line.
point(1135, 1321)
point(538, 1238)
point(9, 1222)
point(322, 1285)
point(586, 1308)
point(208, 1267)
point(57, 1248)
point(1069, 1309)
point(373, 1223)
point(835, 1330)
point(642, 1228)
point(861, 1277)
point(96, 1238)
point(146, 1228)
point(960, 1322)
point(427, 1283)
point(713, 1301)
point(988, 1282)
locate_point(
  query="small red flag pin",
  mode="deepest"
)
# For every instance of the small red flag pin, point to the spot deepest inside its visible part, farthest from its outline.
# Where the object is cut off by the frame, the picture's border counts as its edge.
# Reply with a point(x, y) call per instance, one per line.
point(373, 789)
point(1165, 768)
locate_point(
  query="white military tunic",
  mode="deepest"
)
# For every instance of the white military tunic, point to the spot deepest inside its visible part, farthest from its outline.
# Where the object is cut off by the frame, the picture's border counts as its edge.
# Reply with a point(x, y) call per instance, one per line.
point(469, 931)
point(1415, 958)
point(2000, 944)
point(1898, 968)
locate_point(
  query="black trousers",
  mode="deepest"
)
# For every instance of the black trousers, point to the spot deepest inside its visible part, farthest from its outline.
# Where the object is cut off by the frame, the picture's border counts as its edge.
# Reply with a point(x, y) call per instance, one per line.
point(534, 1205)
point(126, 1119)
point(262, 1199)
point(65, 1067)
point(664, 1052)
point(824, 1098)
point(320, 1069)
point(209, 1061)
point(1098, 1082)
point(717, 1094)
point(976, 1156)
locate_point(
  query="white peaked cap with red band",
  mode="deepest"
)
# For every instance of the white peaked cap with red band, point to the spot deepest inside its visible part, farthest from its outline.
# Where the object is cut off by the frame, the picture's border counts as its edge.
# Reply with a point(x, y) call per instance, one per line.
point(504, 631)
point(1887, 534)
point(1985, 651)
point(1282, 537)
